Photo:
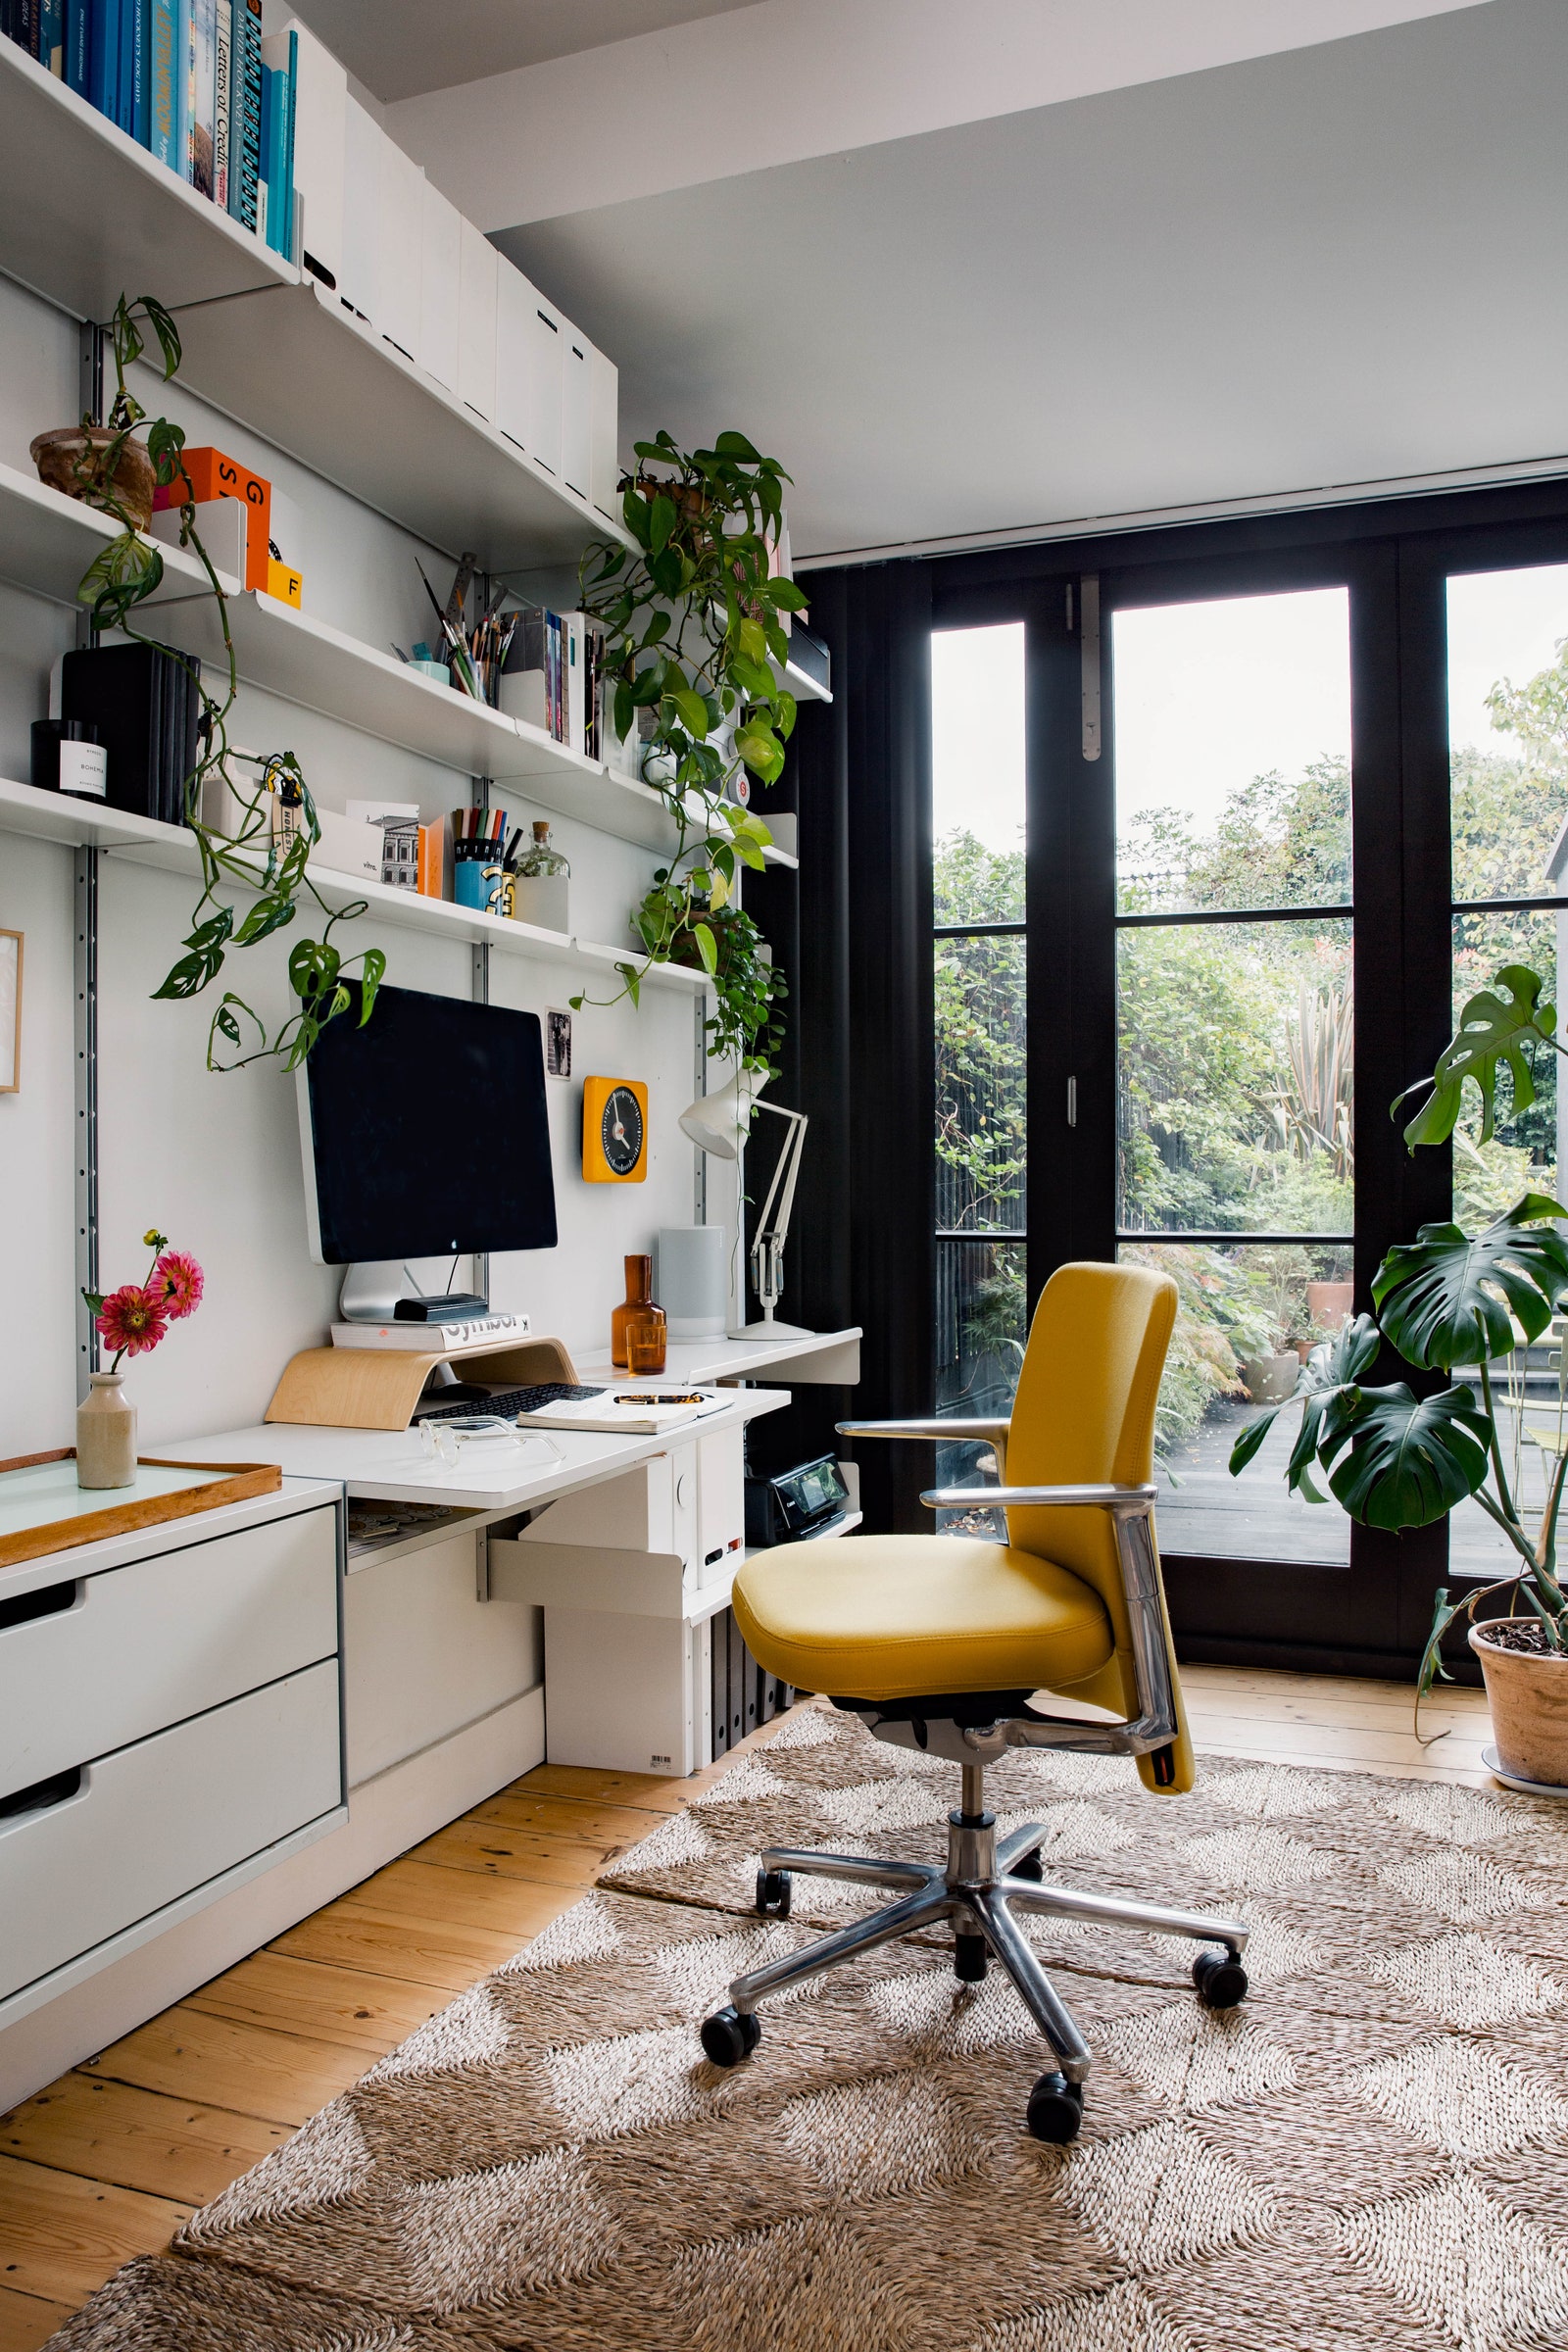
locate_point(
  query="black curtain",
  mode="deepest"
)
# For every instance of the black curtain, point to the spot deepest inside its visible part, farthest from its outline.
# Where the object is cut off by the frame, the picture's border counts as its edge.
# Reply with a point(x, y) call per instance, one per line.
point(854, 937)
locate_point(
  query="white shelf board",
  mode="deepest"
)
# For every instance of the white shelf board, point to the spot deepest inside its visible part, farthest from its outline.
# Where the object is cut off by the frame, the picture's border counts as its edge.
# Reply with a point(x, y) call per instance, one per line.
point(86, 213)
point(772, 854)
point(143, 841)
point(804, 689)
point(293, 363)
point(705, 1360)
point(48, 540)
point(309, 662)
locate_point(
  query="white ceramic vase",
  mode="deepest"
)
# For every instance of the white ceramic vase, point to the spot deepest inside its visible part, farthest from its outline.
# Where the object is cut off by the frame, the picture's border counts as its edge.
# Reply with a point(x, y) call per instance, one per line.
point(106, 1434)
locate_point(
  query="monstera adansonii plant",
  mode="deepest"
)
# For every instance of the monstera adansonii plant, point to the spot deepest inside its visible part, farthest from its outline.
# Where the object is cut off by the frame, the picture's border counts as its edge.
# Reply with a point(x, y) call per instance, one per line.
point(1447, 1301)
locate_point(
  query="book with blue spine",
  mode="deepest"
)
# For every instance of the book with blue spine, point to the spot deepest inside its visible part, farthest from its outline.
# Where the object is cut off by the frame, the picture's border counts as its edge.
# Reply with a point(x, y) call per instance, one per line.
point(77, 46)
point(125, 75)
point(162, 84)
point(223, 103)
point(139, 124)
point(52, 36)
point(280, 56)
point(103, 56)
point(266, 162)
point(245, 127)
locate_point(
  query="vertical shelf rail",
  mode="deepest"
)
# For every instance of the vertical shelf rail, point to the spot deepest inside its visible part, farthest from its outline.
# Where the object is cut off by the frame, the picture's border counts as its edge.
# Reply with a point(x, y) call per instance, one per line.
point(480, 978)
point(84, 942)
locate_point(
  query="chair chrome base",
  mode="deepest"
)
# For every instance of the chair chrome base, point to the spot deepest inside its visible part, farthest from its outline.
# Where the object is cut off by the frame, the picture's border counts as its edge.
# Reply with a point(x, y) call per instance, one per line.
point(979, 1889)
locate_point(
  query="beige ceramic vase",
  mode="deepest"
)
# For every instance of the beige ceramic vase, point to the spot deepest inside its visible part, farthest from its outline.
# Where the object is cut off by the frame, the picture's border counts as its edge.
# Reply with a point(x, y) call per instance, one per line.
point(1528, 1694)
point(70, 457)
point(106, 1434)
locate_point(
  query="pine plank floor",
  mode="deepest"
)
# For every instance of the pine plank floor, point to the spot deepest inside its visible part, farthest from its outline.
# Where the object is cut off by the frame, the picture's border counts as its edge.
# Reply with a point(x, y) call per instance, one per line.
point(105, 2162)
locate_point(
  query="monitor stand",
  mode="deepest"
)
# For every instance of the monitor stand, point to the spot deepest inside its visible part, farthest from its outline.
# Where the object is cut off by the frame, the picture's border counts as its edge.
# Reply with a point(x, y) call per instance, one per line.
point(376, 1291)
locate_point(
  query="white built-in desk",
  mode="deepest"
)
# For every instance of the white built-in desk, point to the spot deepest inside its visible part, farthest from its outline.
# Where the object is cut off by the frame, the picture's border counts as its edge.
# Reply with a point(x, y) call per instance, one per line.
point(823, 1358)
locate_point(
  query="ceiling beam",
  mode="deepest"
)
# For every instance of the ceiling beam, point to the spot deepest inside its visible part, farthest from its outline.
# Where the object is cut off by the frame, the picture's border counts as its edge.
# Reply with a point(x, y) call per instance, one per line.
point(785, 80)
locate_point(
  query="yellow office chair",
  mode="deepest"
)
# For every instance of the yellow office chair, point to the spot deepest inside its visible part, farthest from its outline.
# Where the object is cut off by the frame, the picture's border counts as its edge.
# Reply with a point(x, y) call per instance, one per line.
point(949, 1642)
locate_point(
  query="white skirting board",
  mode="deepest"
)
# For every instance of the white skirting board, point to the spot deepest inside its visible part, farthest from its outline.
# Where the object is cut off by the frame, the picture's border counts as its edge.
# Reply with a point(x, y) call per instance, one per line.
point(388, 1814)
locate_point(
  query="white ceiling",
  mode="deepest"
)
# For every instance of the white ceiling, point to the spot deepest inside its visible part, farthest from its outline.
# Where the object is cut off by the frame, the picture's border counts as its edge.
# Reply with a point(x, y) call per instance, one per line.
point(398, 48)
point(1332, 267)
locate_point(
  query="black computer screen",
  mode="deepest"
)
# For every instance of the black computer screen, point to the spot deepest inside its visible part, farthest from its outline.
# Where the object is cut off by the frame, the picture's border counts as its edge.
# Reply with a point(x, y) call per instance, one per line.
point(428, 1130)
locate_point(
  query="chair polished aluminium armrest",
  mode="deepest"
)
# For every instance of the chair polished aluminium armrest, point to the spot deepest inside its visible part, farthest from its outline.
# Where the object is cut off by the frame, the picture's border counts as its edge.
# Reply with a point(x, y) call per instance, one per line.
point(955, 1430)
point(1131, 1512)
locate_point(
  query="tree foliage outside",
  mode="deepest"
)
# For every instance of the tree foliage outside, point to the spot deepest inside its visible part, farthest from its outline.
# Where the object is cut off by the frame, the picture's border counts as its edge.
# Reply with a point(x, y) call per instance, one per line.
point(1235, 1094)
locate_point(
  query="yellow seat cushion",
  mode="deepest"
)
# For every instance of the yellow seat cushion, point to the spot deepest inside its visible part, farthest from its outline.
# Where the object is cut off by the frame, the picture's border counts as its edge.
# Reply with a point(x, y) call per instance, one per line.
point(900, 1616)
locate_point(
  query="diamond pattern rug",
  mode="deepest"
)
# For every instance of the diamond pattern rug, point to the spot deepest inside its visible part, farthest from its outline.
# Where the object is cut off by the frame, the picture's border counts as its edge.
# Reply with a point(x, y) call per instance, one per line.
point(1372, 2153)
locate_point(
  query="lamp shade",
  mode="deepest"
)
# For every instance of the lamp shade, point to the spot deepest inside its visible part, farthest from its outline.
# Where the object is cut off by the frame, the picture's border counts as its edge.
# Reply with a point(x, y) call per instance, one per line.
point(719, 1123)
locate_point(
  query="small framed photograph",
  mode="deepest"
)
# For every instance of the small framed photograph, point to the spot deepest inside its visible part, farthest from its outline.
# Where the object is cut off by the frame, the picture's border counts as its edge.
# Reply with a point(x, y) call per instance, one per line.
point(558, 1043)
point(10, 1012)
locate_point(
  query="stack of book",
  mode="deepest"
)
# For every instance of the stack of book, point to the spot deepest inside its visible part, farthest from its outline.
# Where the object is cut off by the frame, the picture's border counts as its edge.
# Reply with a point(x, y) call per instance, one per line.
point(193, 81)
point(144, 703)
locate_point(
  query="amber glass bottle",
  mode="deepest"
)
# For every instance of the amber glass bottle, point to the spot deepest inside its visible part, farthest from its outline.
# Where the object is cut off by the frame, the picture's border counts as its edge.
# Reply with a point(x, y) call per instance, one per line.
point(638, 1309)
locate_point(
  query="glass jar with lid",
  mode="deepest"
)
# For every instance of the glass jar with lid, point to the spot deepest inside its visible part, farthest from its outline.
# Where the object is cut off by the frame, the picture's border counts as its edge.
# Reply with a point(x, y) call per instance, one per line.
point(543, 877)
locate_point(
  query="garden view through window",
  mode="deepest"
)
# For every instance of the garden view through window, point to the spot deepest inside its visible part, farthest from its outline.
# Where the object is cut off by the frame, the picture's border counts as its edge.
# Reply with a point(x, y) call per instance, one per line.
point(980, 961)
point(1235, 1153)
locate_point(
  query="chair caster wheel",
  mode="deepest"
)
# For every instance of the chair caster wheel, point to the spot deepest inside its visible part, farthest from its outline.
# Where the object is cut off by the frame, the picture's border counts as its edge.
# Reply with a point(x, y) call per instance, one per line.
point(969, 1959)
point(1055, 2109)
point(773, 1892)
point(1221, 1980)
point(1029, 1866)
point(728, 2037)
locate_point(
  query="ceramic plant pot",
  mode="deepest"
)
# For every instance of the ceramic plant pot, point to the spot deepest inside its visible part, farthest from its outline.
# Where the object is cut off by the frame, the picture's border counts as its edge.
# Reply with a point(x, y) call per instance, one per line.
point(106, 1434)
point(1528, 1694)
point(1270, 1379)
point(70, 458)
point(1329, 1302)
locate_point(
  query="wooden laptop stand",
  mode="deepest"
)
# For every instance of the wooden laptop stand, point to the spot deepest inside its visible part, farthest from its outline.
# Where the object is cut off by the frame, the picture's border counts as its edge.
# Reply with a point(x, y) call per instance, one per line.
point(378, 1388)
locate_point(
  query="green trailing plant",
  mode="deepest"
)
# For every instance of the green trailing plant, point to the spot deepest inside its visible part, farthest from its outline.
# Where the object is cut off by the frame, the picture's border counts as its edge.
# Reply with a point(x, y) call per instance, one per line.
point(268, 858)
point(1448, 1302)
point(691, 623)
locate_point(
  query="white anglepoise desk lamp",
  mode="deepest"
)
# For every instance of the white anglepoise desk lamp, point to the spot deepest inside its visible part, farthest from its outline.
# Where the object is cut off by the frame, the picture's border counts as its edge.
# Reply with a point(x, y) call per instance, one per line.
point(719, 1123)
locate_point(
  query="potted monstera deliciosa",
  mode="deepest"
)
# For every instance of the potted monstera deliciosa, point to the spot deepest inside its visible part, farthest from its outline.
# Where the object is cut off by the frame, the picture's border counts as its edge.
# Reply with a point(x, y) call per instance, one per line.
point(1453, 1302)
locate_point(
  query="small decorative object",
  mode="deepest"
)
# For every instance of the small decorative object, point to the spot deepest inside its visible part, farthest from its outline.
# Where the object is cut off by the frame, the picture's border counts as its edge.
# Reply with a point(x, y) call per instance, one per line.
point(68, 757)
point(646, 1343)
point(693, 1280)
point(10, 1012)
point(131, 1320)
point(543, 879)
point(558, 1043)
point(102, 465)
point(639, 1315)
point(614, 1131)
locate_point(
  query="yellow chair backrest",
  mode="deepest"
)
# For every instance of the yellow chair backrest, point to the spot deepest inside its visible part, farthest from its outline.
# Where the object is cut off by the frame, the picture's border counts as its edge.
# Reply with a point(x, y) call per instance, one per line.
point(1084, 1413)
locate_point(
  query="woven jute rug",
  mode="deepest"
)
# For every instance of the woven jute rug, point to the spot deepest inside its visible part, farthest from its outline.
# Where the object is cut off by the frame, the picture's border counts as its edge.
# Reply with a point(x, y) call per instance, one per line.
point(1373, 2153)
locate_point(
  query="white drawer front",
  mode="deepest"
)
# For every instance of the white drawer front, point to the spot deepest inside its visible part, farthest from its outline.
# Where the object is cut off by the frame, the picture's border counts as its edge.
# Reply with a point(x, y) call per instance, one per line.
point(163, 1816)
point(143, 1646)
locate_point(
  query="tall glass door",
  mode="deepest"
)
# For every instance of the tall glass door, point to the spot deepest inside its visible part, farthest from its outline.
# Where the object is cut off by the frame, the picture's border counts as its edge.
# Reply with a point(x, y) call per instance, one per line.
point(1235, 1099)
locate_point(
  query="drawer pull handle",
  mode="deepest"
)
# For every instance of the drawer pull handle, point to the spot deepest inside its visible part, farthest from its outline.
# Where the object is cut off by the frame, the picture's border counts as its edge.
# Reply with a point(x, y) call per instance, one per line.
point(42, 1794)
point(47, 1601)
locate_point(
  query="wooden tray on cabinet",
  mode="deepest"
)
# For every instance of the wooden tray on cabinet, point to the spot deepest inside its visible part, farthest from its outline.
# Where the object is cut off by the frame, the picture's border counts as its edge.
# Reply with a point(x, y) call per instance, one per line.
point(123, 1509)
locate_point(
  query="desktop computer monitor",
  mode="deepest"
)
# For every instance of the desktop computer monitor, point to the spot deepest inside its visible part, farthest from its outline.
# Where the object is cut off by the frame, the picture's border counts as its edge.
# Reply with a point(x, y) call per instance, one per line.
point(425, 1133)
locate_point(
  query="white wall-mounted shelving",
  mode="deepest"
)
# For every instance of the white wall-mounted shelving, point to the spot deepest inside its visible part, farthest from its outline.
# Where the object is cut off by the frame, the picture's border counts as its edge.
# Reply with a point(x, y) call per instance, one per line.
point(805, 688)
point(48, 540)
point(86, 215)
point(294, 364)
point(143, 841)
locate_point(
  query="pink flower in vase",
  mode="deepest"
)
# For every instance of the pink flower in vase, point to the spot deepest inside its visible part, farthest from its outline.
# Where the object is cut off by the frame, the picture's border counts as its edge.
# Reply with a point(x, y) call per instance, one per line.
point(178, 1283)
point(131, 1320)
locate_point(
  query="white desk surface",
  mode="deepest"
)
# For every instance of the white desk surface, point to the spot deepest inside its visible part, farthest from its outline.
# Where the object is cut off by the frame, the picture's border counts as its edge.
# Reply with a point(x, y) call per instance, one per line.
point(383, 1465)
point(727, 1359)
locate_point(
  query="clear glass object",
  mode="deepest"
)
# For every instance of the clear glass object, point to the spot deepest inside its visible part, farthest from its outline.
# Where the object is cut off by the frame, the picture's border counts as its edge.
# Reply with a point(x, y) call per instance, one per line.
point(543, 862)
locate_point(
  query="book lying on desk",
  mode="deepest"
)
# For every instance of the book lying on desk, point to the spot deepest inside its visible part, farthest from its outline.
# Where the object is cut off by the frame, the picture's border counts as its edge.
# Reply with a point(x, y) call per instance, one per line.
point(641, 1413)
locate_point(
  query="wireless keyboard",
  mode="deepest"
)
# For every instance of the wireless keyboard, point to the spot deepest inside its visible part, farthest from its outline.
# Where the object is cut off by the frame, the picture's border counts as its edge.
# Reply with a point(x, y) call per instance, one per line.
point(507, 1404)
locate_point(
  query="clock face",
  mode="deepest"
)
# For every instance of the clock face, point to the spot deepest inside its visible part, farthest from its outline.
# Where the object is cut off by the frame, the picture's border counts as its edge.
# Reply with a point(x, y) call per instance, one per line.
point(620, 1130)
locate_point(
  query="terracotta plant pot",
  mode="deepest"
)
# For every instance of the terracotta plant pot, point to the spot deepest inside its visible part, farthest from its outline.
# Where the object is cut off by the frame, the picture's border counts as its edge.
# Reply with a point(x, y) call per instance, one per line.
point(1329, 1302)
point(1528, 1694)
point(1270, 1379)
point(70, 458)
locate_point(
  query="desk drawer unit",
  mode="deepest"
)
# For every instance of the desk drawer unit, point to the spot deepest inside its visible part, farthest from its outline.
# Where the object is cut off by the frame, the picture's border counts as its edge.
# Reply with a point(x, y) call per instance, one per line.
point(140, 1828)
point(134, 1650)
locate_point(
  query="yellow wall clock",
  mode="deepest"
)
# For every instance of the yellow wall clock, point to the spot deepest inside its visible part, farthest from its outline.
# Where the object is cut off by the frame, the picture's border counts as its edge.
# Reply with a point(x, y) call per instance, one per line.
point(614, 1130)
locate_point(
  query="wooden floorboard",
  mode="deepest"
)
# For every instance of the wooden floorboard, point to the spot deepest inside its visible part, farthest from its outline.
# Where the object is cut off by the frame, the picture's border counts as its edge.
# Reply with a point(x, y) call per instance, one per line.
point(104, 2163)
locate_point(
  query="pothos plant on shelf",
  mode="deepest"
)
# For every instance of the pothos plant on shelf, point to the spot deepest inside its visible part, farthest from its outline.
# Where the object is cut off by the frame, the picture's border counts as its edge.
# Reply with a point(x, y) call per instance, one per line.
point(266, 848)
point(1450, 1301)
point(692, 622)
